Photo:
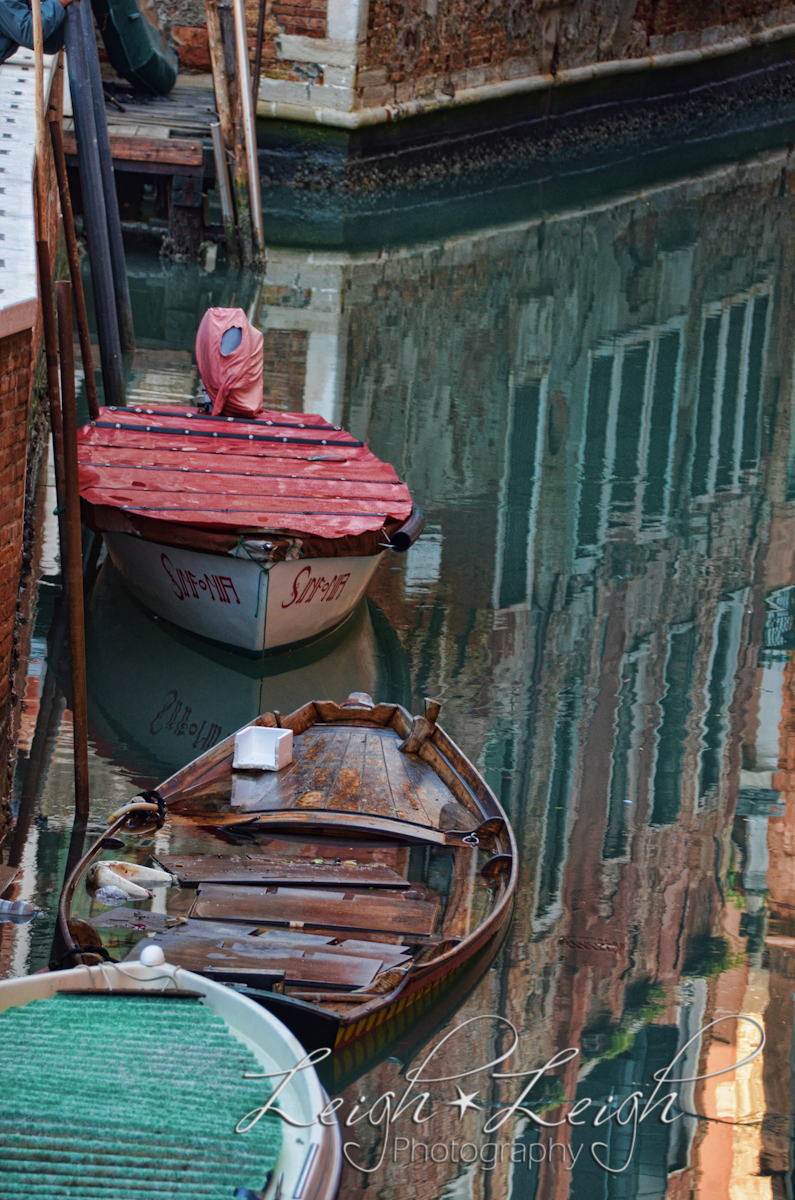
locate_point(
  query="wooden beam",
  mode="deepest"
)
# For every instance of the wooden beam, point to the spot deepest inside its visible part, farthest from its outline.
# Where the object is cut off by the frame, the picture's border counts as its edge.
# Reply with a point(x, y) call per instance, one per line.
point(176, 152)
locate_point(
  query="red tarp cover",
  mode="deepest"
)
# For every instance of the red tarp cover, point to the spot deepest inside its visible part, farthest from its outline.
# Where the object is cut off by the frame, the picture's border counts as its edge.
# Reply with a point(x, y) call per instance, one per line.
point(233, 380)
point(279, 472)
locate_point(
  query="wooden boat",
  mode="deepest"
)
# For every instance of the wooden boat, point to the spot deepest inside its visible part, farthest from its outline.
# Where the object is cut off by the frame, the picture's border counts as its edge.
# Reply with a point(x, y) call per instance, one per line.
point(354, 882)
point(257, 533)
point(99, 1156)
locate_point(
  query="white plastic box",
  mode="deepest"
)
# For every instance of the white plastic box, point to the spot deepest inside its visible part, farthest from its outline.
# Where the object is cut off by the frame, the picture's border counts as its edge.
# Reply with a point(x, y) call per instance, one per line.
point(261, 749)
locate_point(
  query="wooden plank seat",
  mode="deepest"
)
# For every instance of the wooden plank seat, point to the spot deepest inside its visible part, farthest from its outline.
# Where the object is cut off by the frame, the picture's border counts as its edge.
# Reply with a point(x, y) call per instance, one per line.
point(298, 965)
point(226, 868)
point(125, 919)
point(309, 907)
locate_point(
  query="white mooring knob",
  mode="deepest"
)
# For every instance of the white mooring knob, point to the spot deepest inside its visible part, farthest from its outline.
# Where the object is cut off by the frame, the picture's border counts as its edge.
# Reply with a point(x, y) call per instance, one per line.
point(152, 956)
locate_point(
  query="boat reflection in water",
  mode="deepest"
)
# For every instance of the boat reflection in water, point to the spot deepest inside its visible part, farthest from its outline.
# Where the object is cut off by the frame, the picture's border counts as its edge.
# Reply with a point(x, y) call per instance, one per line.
point(159, 697)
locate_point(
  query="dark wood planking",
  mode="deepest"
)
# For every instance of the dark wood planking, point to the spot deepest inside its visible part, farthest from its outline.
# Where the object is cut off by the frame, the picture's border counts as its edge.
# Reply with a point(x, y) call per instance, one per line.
point(326, 910)
point(457, 917)
point(384, 854)
point(330, 713)
point(375, 779)
point(299, 966)
point(206, 868)
point(443, 744)
point(125, 919)
point(404, 793)
point(312, 760)
point(345, 794)
point(7, 877)
point(326, 769)
point(189, 777)
point(176, 152)
point(433, 791)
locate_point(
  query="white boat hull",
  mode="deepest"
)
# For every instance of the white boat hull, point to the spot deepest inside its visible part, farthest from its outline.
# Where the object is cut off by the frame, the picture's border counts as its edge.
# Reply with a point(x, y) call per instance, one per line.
point(234, 600)
point(310, 1162)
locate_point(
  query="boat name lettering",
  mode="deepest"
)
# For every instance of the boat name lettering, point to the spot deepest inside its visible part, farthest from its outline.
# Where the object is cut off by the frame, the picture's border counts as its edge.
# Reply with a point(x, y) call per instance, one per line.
point(306, 587)
point(186, 585)
point(174, 717)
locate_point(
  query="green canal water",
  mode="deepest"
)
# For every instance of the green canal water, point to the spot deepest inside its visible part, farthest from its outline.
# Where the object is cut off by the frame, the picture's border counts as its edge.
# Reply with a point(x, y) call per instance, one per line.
point(593, 405)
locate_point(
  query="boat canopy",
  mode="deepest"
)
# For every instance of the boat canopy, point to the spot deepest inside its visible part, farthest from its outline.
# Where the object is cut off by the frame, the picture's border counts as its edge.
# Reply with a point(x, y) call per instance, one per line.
point(291, 473)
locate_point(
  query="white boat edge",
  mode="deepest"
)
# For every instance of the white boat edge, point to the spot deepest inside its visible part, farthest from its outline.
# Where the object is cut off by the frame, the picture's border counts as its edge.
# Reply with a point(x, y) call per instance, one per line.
point(310, 1162)
point(234, 600)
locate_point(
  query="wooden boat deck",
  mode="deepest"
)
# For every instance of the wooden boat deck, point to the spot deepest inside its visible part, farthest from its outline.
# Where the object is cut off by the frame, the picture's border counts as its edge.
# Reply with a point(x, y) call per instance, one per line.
point(354, 770)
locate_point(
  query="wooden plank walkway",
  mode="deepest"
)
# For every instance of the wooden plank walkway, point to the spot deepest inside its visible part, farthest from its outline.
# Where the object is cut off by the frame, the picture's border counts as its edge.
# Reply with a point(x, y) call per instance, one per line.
point(161, 135)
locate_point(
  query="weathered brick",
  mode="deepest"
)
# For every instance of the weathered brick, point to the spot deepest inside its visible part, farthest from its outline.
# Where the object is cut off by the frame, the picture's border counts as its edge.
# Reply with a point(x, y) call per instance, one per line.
point(371, 77)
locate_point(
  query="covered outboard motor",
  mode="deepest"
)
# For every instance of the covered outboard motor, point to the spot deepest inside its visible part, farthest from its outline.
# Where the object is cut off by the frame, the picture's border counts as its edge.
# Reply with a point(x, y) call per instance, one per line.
point(229, 354)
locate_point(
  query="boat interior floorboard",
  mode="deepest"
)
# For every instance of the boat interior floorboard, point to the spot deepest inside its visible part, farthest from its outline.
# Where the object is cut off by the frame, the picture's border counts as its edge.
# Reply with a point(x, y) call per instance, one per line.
point(225, 868)
point(298, 907)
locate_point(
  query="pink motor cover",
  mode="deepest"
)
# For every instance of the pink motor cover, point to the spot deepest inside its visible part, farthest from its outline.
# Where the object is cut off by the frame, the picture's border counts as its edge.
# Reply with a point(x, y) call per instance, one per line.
point(233, 381)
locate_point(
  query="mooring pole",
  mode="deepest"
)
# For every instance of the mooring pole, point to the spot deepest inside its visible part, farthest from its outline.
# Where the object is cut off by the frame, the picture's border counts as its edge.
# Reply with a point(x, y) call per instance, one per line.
point(115, 243)
point(53, 388)
point(258, 55)
point(74, 552)
point(73, 255)
point(249, 126)
point(96, 221)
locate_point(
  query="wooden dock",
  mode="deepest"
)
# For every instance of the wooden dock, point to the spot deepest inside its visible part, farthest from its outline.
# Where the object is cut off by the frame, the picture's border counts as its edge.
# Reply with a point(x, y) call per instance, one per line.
point(163, 142)
point(159, 135)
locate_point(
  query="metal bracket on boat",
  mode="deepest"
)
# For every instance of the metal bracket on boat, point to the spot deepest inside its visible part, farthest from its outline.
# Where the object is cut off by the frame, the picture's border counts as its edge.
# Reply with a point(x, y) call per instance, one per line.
point(482, 836)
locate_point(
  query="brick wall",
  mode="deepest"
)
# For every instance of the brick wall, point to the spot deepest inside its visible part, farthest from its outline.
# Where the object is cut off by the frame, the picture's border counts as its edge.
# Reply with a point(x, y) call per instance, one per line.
point(659, 18)
point(15, 380)
point(416, 48)
point(23, 426)
point(423, 52)
point(284, 368)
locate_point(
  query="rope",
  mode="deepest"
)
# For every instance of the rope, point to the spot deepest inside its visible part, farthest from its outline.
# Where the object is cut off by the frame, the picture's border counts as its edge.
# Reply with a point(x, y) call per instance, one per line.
point(154, 797)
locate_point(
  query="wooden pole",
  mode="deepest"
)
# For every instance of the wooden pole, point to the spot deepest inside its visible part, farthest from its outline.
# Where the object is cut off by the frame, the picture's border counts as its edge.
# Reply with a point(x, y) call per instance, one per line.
point(74, 554)
point(96, 220)
point(249, 126)
point(220, 84)
point(118, 261)
point(53, 388)
point(258, 56)
point(224, 189)
point(74, 269)
point(226, 18)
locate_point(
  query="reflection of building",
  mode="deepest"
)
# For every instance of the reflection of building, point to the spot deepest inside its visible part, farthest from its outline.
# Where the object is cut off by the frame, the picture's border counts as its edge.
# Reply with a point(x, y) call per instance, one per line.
point(594, 412)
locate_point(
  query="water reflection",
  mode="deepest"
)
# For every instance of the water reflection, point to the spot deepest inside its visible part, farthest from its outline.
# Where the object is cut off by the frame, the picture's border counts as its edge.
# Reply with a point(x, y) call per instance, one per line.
point(594, 410)
point(188, 695)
